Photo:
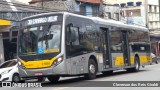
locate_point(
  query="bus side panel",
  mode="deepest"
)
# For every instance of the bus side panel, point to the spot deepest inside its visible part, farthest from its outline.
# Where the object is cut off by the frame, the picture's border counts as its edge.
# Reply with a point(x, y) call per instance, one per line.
point(145, 58)
point(79, 64)
point(117, 59)
point(88, 42)
point(143, 51)
point(139, 45)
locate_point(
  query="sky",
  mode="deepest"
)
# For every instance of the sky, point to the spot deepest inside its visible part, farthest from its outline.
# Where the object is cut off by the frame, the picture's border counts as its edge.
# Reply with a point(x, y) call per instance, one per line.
point(24, 1)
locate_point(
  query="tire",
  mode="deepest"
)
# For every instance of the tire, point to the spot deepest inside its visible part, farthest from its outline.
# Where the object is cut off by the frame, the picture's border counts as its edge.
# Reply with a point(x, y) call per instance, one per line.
point(156, 61)
point(16, 78)
point(53, 79)
point(92, 70)
point(107, 72)
point(137, 66)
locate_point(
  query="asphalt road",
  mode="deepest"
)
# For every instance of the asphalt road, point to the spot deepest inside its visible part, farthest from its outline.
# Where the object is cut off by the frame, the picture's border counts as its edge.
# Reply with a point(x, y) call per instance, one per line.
point(149, 73)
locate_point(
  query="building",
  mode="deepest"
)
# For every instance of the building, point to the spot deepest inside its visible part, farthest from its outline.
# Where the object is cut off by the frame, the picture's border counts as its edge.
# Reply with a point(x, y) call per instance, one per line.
point(140, 12)
point(4, 25)
point(11, 12)
point(83, 7)
point(111, 12)
point(89, 7)
point(55, 5)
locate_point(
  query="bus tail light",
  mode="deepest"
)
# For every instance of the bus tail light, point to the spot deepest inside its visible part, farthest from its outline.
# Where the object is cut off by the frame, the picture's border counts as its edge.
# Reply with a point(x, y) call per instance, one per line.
point(58, 61)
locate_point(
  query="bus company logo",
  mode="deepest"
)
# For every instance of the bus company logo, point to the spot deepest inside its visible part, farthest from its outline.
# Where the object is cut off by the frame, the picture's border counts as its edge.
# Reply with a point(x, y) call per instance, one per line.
point(6, 84)
point(10, 84)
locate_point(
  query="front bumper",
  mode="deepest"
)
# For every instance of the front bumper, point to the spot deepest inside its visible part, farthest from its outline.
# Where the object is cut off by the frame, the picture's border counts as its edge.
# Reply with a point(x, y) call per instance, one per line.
point(5, 77)
point(31, 73)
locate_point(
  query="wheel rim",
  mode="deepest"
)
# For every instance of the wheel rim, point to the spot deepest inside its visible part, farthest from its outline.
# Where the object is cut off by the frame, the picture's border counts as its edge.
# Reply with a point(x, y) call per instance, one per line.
point(16, 79)
point(137, 65)
point(92, 68)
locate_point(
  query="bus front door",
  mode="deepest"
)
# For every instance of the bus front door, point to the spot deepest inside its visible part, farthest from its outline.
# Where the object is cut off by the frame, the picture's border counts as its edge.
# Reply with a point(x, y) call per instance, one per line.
point(106, 48)
point(126, 50)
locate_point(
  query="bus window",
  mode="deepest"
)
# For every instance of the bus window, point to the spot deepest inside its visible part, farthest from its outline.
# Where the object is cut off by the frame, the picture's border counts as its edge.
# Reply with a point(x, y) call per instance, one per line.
point(141, 48)
point(116, 41)
point(73, 44)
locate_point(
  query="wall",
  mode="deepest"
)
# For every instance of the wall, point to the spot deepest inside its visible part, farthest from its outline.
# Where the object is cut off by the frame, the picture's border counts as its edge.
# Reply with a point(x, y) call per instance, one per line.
point(139, 18)
point(153, 2)
point(68, 5)
point(111, 12)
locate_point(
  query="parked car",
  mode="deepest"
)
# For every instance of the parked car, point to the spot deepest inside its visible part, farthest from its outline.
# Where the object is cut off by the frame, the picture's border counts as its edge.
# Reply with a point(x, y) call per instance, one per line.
point(9, 72)
point(154, 58)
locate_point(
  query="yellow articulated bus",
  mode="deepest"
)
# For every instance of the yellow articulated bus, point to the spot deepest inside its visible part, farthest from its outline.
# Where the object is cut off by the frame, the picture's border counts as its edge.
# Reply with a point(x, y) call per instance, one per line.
point(64, 44)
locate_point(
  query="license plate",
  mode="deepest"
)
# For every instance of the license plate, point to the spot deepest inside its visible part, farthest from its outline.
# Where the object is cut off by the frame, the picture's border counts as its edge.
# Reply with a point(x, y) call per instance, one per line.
point(38, 73)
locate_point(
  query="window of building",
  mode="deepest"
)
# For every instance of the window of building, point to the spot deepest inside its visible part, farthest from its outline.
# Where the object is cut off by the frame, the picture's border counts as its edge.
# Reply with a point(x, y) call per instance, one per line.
point(116, 16)
point(94, 10)
point(82, 9)
point(107, 15)
point(150, 8)
point(155, 8)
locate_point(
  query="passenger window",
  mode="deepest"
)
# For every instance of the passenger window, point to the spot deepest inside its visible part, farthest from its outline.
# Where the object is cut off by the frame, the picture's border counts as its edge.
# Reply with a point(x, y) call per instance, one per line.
point(72, 35)
point(116, 41)
point(142, 48)
point(76, 42)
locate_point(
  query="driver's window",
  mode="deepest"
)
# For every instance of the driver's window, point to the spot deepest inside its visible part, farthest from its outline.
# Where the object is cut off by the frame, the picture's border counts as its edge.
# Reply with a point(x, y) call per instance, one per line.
point(72, 35)
point(73, 44)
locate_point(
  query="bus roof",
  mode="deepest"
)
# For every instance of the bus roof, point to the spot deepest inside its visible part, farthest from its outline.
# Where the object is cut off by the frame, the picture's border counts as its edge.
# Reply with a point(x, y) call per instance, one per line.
point(97, 20)
point(118, 24)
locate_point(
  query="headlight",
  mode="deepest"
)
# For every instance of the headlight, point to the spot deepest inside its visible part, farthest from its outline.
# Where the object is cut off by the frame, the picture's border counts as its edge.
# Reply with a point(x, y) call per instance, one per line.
point(5, 72)
point(58, 61)
point(21, 65)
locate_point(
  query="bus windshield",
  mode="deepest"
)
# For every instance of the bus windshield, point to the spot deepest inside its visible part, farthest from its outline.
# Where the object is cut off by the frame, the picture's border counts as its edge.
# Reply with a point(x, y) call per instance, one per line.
point(40, 39)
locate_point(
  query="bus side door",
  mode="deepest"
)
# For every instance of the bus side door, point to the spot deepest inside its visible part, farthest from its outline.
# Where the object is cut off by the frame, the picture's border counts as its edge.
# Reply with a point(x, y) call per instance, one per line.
point(106, 48)
point(126, 50)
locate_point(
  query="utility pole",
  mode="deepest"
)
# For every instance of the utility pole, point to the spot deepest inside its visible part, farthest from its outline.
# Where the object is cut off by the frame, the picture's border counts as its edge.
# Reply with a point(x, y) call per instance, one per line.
point(146, 7)
point(159, 8)
point(42, 4)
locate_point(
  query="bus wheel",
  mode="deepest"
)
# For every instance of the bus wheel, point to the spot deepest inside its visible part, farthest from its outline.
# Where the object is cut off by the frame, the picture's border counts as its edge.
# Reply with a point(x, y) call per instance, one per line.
point(137, 66)
point(156, 61)
point(92, 70)
point(53, 79)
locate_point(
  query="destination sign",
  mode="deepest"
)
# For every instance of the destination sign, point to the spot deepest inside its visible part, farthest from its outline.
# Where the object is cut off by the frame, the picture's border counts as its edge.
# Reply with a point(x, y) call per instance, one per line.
point(43, 20)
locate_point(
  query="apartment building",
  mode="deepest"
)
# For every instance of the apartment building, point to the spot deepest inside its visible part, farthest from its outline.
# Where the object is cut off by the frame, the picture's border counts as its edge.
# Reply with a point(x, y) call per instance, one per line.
point(139, 12)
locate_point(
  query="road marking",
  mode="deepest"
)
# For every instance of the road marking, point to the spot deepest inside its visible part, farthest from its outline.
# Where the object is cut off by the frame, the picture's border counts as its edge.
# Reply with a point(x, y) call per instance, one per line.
point(62, 88)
